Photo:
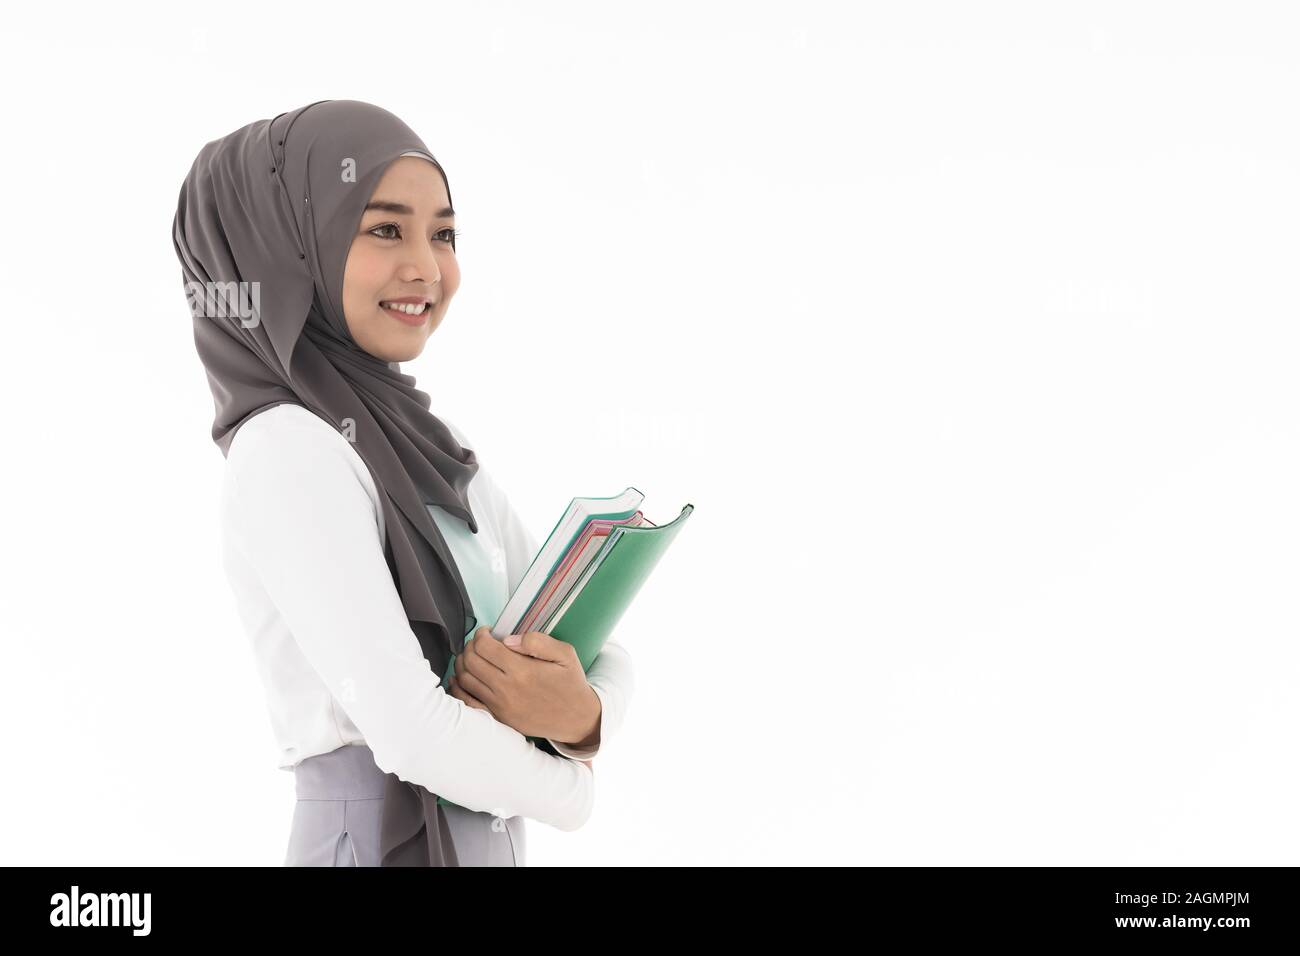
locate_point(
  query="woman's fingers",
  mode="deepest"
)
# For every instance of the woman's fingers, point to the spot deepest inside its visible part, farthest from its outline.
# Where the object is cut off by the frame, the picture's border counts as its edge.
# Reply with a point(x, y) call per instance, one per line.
point(460, 692)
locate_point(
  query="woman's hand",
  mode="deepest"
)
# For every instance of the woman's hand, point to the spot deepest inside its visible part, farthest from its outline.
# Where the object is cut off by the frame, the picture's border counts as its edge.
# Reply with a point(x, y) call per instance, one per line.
point(537, 687)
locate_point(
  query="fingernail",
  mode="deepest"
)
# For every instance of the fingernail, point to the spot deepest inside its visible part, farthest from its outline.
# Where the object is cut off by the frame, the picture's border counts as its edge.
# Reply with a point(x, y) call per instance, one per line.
point(513, 640)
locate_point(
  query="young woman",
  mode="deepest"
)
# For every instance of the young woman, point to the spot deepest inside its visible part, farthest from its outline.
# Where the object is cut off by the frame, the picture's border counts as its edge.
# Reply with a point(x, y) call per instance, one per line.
point(366, 544)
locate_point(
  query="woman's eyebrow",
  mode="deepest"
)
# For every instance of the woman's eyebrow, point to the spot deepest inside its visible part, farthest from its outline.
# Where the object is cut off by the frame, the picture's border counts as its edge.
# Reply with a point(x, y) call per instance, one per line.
point(402, 209)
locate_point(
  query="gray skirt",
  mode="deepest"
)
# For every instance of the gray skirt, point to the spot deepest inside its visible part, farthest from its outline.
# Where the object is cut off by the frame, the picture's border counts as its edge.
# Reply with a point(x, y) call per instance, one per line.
point(337, 815)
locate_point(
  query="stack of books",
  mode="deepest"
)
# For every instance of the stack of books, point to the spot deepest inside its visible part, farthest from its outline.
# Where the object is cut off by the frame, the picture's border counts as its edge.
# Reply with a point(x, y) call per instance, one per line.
point(588, 571)
point(585, 576)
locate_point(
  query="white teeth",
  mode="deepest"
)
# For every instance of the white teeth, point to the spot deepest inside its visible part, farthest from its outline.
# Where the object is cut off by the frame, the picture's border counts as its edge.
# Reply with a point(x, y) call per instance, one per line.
point(408, 308)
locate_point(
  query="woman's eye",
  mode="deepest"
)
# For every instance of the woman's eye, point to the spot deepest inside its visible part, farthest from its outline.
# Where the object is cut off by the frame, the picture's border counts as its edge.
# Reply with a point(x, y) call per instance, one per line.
point(445, 235)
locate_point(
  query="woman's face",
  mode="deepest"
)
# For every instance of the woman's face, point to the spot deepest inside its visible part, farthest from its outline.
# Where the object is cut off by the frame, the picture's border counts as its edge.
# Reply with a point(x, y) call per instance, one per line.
point(401, 253)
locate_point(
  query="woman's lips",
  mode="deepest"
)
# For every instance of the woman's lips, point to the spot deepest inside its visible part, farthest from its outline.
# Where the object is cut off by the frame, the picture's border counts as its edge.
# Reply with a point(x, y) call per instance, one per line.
point(408, 319)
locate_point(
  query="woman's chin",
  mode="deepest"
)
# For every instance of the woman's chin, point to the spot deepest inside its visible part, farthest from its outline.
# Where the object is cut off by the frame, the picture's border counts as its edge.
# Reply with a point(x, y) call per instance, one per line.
point(401, 344)
point(405, 350)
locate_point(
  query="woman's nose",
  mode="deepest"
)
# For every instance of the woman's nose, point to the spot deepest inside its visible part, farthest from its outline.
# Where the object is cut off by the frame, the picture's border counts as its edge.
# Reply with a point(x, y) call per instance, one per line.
point(423, 268)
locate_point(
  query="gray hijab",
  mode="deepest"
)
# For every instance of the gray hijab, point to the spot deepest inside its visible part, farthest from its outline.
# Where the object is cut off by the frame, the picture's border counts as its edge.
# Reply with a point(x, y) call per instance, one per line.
point(263, 228)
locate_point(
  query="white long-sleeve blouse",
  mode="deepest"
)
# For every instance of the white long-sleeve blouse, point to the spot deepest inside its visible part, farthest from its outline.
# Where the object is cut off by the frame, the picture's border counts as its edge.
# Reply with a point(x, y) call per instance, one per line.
point(303, 548)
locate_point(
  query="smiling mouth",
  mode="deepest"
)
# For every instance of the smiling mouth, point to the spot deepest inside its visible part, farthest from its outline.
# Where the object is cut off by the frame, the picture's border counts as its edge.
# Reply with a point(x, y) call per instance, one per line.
point(408, 313)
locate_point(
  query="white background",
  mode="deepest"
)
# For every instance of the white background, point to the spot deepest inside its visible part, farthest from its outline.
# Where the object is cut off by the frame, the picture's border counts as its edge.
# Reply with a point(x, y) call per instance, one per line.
point(970, 332)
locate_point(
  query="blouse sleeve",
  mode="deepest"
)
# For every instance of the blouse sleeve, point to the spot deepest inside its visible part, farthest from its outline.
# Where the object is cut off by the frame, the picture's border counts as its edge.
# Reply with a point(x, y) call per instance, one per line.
point(611, 674)
point(301, 513)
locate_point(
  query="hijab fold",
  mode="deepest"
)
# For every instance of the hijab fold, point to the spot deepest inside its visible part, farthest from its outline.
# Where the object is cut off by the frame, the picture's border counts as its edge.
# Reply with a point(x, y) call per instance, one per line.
point(263, 227)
